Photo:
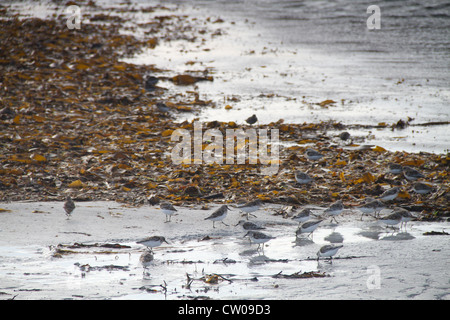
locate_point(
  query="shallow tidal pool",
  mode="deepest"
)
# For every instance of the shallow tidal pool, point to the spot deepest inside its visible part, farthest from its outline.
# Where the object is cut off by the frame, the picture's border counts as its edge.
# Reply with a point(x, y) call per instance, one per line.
point(94, 255)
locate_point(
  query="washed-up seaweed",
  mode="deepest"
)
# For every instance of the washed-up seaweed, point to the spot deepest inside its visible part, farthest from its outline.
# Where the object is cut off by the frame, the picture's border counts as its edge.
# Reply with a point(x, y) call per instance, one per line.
point(67, 249)
point(435, 233)
point(77, 245)
point(75, 119)
point(300, 275)
point(110, 267)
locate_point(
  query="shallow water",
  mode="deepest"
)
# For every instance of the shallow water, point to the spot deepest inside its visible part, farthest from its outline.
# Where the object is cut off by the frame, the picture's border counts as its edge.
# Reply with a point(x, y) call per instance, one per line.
point(405, 264)
point(279, 59)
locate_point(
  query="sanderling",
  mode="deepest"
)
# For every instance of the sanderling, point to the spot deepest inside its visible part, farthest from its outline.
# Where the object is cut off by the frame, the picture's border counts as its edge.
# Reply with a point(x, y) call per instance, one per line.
point(412, 174)
point(219, 215)
point(249, 225)
point(152, 242)
point(252, 119)
point(69, 206)
point(150, 83)
point(392, 219)
point(302, 216)
point(334, 209)
point(422, 188)
point(302, 178)
point(390, 194)
point(395, 168)
point(312, 154)
point(406, 216)
point(259, 238)
point(162, 107)
point(308, 227)
point(250, 207)
point(168, 209)
point(328, 251)
point(153, 200)
point(344, 135)
point(146, 258)
point(374, 206)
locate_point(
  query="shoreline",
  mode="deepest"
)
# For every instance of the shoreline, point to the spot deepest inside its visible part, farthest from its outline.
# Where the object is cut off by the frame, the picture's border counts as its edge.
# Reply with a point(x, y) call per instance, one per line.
point(94, 255)
point(60, 258)
point(257, 70)
point(89, 127)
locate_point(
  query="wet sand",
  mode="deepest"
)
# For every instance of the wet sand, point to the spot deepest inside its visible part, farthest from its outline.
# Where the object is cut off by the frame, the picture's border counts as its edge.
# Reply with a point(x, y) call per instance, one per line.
point(375, 262)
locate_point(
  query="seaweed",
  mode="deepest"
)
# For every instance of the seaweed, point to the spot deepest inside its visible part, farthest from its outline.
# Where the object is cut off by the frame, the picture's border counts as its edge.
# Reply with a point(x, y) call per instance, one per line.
point(301, 275)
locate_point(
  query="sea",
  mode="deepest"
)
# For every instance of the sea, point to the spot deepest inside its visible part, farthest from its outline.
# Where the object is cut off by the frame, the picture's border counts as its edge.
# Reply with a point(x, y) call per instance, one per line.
point(365, 64)
point(281, 59)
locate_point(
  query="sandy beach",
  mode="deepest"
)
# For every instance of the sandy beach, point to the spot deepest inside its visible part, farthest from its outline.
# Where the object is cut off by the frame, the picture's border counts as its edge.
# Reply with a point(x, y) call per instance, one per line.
point(90, 113)
point(94, 255)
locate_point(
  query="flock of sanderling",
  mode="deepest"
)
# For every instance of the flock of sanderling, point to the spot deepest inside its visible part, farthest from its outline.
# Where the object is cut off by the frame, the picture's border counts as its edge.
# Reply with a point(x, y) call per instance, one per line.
point(308, 222)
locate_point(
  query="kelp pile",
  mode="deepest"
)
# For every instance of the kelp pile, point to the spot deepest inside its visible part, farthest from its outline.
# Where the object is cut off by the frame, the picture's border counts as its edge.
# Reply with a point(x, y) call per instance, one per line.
point(75, 119)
